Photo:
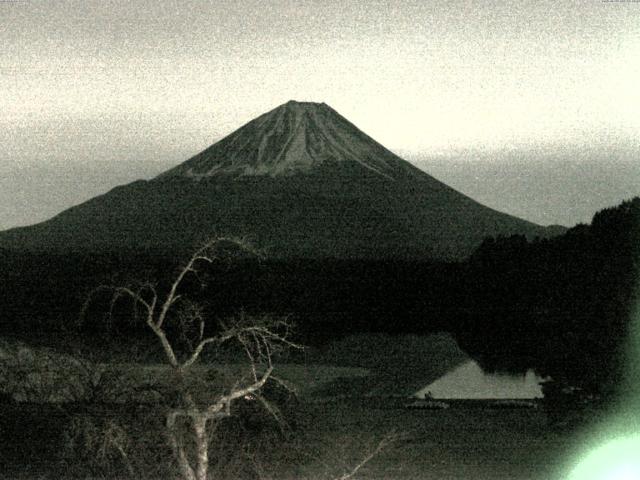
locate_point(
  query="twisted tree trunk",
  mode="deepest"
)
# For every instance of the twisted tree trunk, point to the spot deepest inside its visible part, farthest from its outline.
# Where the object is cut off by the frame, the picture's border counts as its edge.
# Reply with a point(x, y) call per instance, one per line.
point(202, 447)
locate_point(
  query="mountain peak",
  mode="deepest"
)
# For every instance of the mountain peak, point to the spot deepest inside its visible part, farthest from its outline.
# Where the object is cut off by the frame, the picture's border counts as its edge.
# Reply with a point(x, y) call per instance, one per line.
point(302, 108)
point(295, 138)
point(297, 104)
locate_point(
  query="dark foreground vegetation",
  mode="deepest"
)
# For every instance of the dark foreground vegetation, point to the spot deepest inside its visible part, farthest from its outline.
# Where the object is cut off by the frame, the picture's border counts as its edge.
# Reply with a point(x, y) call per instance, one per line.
point(561, 306)
point(325, 441)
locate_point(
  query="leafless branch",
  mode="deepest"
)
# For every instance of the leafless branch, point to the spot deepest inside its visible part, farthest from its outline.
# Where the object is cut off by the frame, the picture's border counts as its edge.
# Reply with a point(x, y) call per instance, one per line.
point(382, 444)
point(205, 254)
point(197, 351)
point(225, 401)
point(260, 338)
point(273, 410)
point(289, 387)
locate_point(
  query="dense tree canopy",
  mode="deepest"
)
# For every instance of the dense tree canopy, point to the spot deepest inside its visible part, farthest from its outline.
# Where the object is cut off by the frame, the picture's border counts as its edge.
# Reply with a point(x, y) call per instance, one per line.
point(561, 305)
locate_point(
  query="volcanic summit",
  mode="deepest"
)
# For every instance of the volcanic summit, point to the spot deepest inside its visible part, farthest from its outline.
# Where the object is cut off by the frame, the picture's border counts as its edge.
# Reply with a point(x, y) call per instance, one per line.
point(299, 181)
point(297, 137)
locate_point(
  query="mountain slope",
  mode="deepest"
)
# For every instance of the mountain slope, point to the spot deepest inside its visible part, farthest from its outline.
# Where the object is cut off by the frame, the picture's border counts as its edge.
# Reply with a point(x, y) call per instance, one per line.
point(299, 181)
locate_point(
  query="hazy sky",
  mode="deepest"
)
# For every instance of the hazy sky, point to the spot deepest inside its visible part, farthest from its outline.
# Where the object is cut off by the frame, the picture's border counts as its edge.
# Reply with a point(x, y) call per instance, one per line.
point(120, 88)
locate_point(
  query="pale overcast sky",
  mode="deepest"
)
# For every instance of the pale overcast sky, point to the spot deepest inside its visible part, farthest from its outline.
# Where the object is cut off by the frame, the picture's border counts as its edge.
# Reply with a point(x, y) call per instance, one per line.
point(125, 88)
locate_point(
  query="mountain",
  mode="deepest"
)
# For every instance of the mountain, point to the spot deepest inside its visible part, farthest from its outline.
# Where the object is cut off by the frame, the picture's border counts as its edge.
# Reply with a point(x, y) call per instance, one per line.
point(299, 181)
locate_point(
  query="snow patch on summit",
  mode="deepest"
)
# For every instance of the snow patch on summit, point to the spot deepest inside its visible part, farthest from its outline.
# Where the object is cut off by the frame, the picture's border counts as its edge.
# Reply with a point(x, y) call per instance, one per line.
point(294, 138)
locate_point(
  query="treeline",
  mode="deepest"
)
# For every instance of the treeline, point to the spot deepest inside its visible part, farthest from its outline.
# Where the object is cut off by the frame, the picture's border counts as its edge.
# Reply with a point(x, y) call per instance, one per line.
point(560, 305)
point(563, 305)
point(326, 298)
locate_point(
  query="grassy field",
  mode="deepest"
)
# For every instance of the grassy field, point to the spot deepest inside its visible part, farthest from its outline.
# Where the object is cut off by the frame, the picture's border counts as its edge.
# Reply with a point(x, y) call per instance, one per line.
point(456, 443)
point(330, 438)
point(332, 429)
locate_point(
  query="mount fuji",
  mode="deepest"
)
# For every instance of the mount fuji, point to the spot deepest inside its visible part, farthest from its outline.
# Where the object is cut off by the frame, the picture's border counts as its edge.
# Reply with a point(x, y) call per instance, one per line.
point(299, 181)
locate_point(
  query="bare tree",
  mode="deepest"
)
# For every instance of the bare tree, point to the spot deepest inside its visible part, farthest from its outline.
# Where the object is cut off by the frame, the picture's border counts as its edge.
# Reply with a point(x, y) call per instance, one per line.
point(346, 458)
point(259, 337)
